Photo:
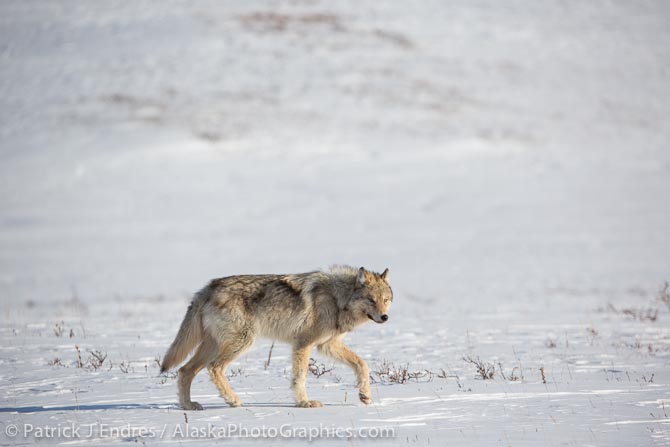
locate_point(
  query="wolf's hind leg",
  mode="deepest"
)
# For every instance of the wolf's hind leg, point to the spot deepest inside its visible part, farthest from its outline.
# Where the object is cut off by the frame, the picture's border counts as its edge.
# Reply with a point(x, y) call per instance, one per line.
point(300, 364)
point(217, 371)
point(203, 356)
point(339, 351)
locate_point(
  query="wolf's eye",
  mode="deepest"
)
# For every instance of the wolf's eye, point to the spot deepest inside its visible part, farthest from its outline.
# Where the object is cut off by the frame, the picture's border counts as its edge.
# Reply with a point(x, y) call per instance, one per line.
point(371, 300)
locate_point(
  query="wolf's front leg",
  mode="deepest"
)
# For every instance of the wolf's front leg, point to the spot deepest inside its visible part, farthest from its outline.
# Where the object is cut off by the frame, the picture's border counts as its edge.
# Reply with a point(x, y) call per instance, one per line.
point(300, 365)
point(339, 351)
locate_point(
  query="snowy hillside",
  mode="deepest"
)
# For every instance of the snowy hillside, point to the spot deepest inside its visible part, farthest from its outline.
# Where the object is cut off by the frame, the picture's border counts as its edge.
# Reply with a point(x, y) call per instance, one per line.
point(507, 161)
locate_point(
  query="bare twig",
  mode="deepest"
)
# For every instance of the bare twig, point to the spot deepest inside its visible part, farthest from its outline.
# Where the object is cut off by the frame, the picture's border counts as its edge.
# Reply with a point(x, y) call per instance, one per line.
point(267, 362)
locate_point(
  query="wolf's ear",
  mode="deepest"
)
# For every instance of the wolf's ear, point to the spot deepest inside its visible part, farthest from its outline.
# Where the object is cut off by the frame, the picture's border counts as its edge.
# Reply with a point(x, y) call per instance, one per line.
point(361, 278)
point(385, 275)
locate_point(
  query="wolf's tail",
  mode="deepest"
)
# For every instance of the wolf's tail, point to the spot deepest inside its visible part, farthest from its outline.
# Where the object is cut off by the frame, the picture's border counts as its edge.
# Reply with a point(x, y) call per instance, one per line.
point(189, 335)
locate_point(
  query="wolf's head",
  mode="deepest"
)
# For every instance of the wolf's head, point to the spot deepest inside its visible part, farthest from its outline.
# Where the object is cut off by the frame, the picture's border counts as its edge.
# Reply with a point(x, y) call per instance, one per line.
point(372, 295)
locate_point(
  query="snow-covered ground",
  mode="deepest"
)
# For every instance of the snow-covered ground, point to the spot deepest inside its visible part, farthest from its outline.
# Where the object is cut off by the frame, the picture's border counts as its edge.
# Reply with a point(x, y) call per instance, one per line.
point(508, 161)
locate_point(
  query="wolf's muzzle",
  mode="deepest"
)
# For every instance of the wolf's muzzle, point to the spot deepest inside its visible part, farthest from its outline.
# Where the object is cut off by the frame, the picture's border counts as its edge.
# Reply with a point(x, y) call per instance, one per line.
point(383, 318)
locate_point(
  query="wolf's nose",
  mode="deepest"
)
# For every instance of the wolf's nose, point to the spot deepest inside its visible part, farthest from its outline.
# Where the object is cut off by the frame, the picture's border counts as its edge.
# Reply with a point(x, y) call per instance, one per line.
point(385, 317)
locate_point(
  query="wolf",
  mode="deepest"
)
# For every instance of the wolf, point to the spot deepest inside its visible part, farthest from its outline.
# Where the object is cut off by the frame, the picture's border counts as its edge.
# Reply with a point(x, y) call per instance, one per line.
point(317, 308)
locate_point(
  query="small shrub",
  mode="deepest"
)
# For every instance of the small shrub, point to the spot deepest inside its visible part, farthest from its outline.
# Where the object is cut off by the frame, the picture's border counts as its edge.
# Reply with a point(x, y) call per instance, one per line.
point(126, 367)
point(167, 376)
point(59, 329)
point(318, 369)
point(486, 371)
point(388, 373)
point(96, 359)
point(56, 362)
point(512, 377)
point(235, 372)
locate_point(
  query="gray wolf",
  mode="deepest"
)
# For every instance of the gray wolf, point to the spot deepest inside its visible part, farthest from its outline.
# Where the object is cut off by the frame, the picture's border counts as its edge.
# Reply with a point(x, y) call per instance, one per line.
point(307, 309)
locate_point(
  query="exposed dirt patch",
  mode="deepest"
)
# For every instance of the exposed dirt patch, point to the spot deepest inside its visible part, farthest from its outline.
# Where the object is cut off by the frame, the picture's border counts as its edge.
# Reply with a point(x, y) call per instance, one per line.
point(277, 22)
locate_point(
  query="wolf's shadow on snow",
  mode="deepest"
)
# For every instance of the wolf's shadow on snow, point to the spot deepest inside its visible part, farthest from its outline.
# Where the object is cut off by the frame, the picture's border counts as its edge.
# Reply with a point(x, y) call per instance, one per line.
point(128, 406)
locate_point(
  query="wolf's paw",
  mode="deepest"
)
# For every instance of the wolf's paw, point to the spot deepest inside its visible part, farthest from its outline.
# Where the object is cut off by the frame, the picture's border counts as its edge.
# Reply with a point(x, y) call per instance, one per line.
point(367, 400)
point(309, 404)
point(191, 406)
point(235, 402)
